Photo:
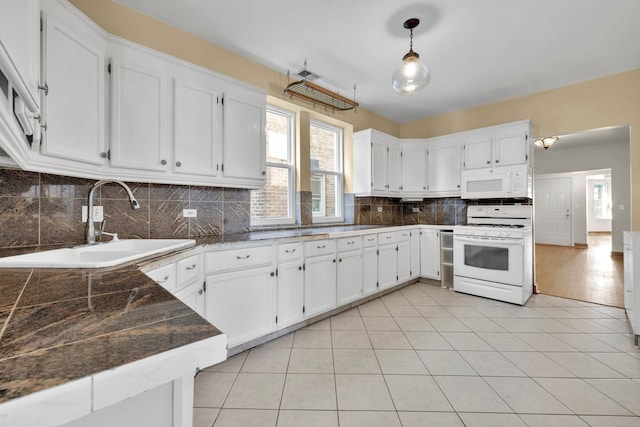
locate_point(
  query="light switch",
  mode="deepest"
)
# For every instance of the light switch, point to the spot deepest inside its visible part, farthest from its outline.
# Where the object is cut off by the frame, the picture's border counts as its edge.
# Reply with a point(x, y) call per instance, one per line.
point(415, 210)
point(189, 213)
point(379, 209)
point(98, 214)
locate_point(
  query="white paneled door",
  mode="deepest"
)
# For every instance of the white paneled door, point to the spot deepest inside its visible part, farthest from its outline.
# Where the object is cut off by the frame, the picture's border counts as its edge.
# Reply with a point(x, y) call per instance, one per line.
point(552, 203)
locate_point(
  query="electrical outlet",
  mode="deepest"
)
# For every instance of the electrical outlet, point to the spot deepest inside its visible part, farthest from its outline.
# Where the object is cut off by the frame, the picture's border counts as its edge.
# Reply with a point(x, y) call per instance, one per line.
point(98, 214)
point(379, 209)
point(415, 210)
point(189, 213)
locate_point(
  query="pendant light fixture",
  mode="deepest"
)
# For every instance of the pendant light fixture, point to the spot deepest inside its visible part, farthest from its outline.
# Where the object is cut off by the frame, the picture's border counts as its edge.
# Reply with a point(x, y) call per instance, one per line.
point(412, 75)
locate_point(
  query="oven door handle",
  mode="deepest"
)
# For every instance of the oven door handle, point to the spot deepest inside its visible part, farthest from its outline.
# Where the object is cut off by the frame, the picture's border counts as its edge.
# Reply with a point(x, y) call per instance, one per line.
point(498, 241)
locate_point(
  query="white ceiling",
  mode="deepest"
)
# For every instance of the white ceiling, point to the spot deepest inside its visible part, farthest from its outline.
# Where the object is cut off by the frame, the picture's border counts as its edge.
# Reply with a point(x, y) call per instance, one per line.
point(478, 51)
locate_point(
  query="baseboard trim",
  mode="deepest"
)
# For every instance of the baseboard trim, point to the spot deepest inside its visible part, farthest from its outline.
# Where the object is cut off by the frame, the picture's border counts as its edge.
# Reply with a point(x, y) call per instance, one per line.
point(581, 245)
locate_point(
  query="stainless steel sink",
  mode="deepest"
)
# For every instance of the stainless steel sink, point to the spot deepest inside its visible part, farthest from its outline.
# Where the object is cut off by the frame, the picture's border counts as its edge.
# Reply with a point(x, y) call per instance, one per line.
point(99, 255)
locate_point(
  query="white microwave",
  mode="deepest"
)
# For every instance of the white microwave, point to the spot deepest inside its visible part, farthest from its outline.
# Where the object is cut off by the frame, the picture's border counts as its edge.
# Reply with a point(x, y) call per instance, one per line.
point(496, 183)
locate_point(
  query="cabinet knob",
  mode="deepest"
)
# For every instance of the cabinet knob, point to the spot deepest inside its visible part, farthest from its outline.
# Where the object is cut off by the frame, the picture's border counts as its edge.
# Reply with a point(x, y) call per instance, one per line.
point(497, 161)
point(200, 292)
point(300, 268)
point(334, 261)
point(340, 260)
point(264, 173)
point(163, 162)
point(273, 274)
point(424, 188)
point(178, 164)
point(458, 185)
point(488, 162)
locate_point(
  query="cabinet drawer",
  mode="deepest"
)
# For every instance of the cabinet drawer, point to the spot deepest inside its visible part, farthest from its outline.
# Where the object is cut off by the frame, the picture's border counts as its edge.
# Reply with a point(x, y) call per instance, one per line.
point(404, 235)
point(165, 276)
point(237, 259)
point(370, 240)
point(349, 243)
point(188, 270)
point(386, 238)
point(289, 251)
point(319, 247)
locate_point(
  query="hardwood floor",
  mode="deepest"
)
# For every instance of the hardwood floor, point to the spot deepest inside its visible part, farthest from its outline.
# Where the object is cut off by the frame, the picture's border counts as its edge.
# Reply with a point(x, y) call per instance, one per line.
point(586, 274)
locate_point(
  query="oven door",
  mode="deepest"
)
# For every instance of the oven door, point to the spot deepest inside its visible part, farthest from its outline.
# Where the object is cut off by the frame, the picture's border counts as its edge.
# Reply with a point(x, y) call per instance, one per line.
point(492, 259)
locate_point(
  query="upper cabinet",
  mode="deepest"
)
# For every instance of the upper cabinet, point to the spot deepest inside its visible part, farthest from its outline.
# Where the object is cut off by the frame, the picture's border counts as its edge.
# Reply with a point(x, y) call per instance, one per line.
point(414, 168)
point(115, 109)
point(140, 84)
point(377, 164)
point(502, 145)
point(443, 166)
point(73, 70)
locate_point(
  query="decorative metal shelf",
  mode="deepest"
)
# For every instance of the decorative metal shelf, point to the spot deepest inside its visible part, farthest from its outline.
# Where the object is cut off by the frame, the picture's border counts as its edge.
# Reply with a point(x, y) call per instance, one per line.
point(318, 95)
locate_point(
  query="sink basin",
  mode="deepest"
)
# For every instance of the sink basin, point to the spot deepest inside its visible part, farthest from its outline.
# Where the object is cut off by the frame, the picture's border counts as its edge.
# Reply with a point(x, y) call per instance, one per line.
point(99, 255)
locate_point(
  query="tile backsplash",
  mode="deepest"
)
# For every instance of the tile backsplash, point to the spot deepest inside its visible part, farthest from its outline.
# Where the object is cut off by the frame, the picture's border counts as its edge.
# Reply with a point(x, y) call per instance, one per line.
point(39, 208)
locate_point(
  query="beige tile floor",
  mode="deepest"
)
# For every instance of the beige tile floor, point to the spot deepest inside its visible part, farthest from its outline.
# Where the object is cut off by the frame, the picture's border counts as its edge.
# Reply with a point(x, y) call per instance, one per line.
point(427, 356)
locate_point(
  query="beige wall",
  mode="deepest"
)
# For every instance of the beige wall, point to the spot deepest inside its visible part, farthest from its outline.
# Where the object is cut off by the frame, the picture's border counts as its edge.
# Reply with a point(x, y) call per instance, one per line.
point(609, 101)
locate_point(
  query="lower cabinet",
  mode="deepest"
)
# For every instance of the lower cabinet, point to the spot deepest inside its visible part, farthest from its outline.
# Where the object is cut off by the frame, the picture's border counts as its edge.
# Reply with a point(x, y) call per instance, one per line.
point(387, 260)
point(290, 287)
point(370, 264)
point(242, 303)
point(430, 254)
point(349, 269)
point(404, 256)
point(319, 277)
point(415, 253)
point(193, 296)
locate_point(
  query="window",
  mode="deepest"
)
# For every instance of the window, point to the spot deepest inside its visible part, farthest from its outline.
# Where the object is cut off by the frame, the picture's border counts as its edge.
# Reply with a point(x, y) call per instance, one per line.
point(326, 172)
point(273, 204)
point(601, 201)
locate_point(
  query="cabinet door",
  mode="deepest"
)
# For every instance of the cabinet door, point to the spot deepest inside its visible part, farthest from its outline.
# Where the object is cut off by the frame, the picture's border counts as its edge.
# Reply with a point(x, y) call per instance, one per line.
point(387, 265)
point(196, 147)
point(349, 277)
point(194, 297)
point(444, 168)
point(404, 258)
point(430, 254)
point(241, 304)
point(73, 57)
point(395, 178)
point(244, 138)
point(369, 270)
point(290, 293)
point(414, 170)
point(415, 253)
point(477, 152)
point(510, 148)
point(139, 105)
point(319, 284)
point(379, 166)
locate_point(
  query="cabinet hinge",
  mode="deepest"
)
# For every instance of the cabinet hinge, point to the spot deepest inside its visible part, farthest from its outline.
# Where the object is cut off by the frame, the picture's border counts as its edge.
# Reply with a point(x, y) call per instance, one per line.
point(410, 273)
point(371, 144)
point(222, 100)
point(377, 251)
point(222, 167)
point(109, 68)
point(387, 149)
point(526, 157)
point(204, 286)
point(303, 309)
point(276, 272)
point(464, 164)
point(438, 273)
point(396, 249)
point(377, 284)
point(106, 154)
point(41, 25)
point(276, 319)
point(526, 137)
point(217, 100)
point(396, 278)
point(304, 266)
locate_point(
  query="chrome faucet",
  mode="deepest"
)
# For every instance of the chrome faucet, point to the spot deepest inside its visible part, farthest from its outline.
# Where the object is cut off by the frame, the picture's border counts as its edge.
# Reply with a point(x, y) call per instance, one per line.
point(92, 233)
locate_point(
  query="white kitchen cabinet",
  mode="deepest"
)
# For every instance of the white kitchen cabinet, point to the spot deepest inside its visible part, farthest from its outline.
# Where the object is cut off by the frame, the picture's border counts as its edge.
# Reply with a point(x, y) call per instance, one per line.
point(244, 121)
point(349, 270)
point(501, 145)
point(139, 109)
point(387, 260)
point(369, 264)
point(20, 41)
point(194, 297)
point(404, 256)
point(73, 69)
point(430, 254)
point(242, 303)
point(631, 242)
point(319, 277)
point(197, 148)
point(290, 286)
point(415, 253)
point(443, 166)
point(377, 164)
point(414, 169)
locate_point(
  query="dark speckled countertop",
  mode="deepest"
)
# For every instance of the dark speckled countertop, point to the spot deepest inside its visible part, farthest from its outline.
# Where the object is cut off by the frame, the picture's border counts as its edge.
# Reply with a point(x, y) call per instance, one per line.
point(58, 325)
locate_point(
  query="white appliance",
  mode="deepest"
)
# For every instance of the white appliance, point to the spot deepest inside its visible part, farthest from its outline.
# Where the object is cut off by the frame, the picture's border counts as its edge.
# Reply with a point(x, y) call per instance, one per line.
point(493, 254)
point(500, 182)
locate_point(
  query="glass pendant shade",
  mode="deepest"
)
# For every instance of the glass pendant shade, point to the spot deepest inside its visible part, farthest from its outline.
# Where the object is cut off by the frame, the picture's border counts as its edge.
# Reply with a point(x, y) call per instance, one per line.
point(411, 76)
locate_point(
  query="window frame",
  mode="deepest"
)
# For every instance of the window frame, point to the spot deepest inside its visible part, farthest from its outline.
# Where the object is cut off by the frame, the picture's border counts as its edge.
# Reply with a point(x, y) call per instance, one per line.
point(339, 217)
point(290, 167)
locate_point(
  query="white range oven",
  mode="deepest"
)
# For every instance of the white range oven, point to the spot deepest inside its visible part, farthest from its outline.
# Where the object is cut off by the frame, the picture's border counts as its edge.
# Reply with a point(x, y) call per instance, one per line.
point(493, 254)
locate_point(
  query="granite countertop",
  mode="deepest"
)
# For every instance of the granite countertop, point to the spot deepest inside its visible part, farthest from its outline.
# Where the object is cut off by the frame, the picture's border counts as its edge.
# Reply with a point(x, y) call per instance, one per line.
point(65, 324)
point(58, 325)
